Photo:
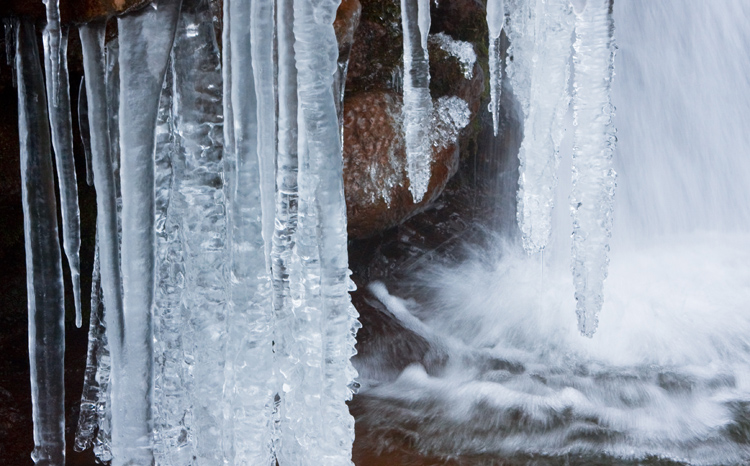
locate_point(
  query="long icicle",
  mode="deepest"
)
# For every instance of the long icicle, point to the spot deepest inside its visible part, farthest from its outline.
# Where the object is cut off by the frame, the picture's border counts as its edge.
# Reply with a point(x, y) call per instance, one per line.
point(544, 123)
point(145, 41)
point(495, 22)
point(291, 416)
point(594, 178)
point(316, 51)
point(44, 281)
point(261, 40)
point(199, 204)
point(58, 106)
point(249, 368)
point(417, 110)
point(108, 242)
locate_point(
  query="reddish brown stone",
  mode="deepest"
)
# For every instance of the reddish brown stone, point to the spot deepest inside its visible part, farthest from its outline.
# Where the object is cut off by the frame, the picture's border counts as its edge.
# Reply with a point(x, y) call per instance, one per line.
point(375, 180)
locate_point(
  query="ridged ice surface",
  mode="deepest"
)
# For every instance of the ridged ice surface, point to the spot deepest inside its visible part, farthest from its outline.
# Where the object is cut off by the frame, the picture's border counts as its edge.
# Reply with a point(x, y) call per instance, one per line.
point(197, 204)
point(44, 283)
point(415, 24)
point(592, 196)
point(543, 126)
point(316, 51)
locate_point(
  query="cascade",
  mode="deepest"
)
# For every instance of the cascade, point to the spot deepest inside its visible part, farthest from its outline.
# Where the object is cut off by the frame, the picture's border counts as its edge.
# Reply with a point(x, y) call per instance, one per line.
point(221, 326)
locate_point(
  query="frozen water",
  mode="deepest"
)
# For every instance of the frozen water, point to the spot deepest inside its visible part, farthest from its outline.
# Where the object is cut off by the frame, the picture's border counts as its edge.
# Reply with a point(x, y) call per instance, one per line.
point(543, 126)
point(44, 283)
point(417, 101)
point(495, 24)
point(463, 51)
point(593, 174)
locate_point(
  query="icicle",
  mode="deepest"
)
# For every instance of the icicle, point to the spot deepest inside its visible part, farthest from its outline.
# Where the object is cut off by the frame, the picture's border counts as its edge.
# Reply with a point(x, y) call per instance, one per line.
point(249, 368)
point(339, 80)
point(316, 49)
point(56, 70)
point(593, 175)
point(43, 261)
point(292, 413)
point(10, 40)
point(173, 444)
point(53, 50)
point(495, 22)
point(83, 127)
point(145, 41)
point(261, 39)
point(108, 243)
point(543, 127)
point(91, 394)
point(415, 22)
point(199, 205)
point(521, 32)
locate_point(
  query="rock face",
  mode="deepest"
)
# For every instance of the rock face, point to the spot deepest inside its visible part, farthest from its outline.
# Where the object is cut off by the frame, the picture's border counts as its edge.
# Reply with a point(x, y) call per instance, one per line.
point(72, 11)
point(377, 188)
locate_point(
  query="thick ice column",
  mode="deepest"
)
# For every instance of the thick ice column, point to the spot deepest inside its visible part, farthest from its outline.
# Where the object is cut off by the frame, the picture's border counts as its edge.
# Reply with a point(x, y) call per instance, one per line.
point(145, 41)
point(44, 282)
point(58, 106)
point(316, 50)
point(495, 22)
point(199, 204)
point(173, 444)
point(543, 126)
point(282, 252)
point(417, 110)
point(249, 368)
point(520, 28)
point(594, 179)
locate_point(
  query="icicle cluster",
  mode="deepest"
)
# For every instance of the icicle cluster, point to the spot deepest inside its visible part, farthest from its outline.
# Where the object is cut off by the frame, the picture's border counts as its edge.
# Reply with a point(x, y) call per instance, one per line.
point(540, 33)
point(221, 325)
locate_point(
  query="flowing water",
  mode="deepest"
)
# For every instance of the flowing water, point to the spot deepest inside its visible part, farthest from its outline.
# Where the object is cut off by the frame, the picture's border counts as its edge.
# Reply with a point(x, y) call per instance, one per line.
point(666, 377)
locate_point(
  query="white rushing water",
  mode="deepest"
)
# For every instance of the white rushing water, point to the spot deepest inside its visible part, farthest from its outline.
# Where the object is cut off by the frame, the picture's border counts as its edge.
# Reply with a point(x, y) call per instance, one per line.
point(665, 377)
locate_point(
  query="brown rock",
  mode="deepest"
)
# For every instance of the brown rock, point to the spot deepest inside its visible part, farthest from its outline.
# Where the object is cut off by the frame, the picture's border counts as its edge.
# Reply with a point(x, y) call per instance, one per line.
point(375, 180)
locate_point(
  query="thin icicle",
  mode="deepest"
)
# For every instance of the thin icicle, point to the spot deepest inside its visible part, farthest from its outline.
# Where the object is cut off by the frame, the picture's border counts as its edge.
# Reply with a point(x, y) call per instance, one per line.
point(594, 178)
point(521, 32)
point(249, 365)
point(417, 110)
point(108, 243)
point(495, 23)
point(97, 340)
point(543, 126)
point(56, 71)
point(10, 40)
point(199, 205)
point(261, 39)
point(145, 40)
point(284, 236)
point(339, 79)
point(83, 127)
point(44, 281)
point(316, 49)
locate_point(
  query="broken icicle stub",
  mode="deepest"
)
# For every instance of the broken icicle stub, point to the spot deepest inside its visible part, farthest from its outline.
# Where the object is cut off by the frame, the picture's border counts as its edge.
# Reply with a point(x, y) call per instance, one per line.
point(594, 178)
